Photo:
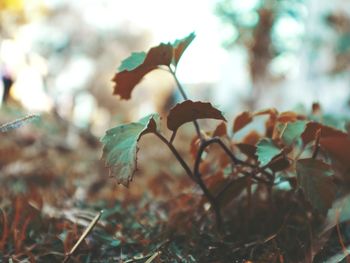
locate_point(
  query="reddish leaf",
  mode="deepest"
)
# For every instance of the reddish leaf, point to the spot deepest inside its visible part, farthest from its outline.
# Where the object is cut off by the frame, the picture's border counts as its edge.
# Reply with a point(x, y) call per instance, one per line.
point(289, 116)
point(242, 120)
point(188, 111)
point(311, 129)
point(270, 123)
point(134, 68)
point(194, 146)
point(316, 108)
point(180, 46)
point(338, 148)
point(271, 112)
point(251, 138)
point(220, 130)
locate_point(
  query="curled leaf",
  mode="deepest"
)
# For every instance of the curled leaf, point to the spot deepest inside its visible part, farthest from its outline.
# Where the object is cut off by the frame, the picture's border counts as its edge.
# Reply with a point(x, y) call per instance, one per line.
point(188, 111)
point(120, 147)
point(180, 47)
point(135, 67)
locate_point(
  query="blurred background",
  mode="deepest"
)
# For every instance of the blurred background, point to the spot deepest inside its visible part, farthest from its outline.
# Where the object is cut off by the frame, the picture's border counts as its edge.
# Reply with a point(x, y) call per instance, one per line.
point(59, 56)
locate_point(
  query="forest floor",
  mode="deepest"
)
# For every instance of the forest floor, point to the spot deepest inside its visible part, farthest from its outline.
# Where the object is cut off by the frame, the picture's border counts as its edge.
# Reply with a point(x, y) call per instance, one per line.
point(53, 184)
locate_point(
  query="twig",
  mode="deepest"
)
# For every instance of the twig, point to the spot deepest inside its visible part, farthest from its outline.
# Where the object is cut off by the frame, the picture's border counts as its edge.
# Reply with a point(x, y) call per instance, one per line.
point(18, 123)
point(83, 236)
point(212, 200)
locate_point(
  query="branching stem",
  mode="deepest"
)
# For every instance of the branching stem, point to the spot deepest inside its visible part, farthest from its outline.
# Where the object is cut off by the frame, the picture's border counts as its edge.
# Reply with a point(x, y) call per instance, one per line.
point(184, 96)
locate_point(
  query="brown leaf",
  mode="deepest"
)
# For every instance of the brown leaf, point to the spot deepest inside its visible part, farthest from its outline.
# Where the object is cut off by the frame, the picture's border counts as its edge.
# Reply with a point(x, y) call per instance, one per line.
point(279, 164)
point(289, 116)
point(338, 148)
point(180, 47)
point(270, 111)
point(311, 129)
point(252, 138)
point(271, 122)
point(194, 146)
point(126, 80)
point(247, 149)
point(242, 120)
point(220, 130)
point(188, 111)
point(316, 108)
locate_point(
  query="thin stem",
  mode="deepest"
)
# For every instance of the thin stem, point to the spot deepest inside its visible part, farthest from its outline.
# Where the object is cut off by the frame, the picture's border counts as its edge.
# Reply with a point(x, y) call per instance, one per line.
point(195, 176)
point(172, 138)
point(177, 156)
point(181, 89)
point(212, 200)
point(184, 95)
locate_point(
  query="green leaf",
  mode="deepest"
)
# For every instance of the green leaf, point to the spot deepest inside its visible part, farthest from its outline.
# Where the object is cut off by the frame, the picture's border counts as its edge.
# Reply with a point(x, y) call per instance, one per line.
point(293, 131)
point(266, 151)
point(132, 62)
point(120, 147)
point(315, 179)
